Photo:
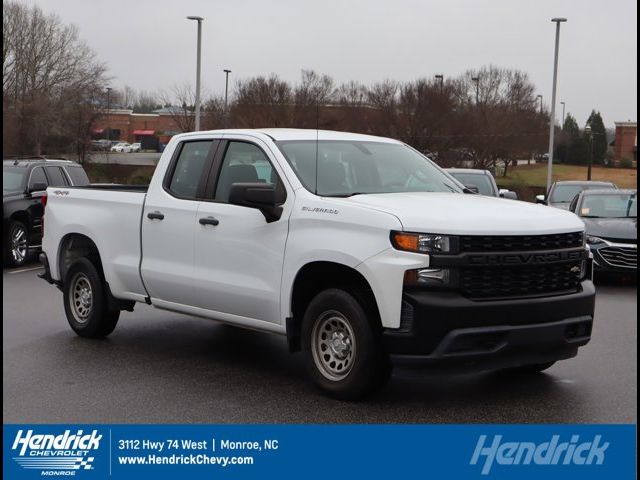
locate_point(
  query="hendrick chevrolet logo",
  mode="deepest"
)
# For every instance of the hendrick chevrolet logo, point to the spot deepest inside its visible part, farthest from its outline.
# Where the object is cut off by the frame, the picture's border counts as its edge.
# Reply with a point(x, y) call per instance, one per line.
point(524, 258)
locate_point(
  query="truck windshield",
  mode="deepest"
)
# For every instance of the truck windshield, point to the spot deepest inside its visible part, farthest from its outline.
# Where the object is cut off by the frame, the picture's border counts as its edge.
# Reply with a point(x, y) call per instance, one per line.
point(13, 179)
point(346, 168)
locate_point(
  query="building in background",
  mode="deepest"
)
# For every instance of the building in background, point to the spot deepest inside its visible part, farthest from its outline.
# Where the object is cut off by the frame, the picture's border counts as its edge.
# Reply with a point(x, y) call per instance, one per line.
point(626, 141)
point(152, 130)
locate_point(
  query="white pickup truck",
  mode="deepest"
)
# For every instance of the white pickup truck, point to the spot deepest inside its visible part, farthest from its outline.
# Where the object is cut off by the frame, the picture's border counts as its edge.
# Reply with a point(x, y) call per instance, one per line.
point(360, 250)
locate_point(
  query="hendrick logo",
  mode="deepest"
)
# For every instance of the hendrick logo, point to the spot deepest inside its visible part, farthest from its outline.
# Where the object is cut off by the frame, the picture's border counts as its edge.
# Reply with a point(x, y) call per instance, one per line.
point(552, 452)
point(61, 193)
point(56, 455)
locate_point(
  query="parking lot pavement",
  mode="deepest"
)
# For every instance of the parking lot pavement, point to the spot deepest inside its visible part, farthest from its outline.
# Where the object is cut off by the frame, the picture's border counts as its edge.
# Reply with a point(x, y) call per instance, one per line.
point(141, 158)
point(163, 367)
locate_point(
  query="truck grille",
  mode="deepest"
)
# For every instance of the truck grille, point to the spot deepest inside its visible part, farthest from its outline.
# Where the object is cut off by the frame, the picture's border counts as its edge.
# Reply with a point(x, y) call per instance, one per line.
point(620, 256)
point(520, 281)
point(520, 243)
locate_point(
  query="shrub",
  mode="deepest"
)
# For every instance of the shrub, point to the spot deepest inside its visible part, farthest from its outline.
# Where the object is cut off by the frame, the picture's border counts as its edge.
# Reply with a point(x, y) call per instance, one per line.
point(626, 162)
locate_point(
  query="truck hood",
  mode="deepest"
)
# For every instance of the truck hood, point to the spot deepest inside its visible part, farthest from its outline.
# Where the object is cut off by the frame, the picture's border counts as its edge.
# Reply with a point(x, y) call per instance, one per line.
point(457, 214)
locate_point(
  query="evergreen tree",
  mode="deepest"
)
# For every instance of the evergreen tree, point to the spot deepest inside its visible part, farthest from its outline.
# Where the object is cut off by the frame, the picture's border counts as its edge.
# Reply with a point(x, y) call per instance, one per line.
point(598, 136)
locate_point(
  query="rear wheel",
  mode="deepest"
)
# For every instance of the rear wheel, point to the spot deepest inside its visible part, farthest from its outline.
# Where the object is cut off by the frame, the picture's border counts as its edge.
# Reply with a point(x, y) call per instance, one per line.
point(85, 302)
point(16, 244)
point(342, 348)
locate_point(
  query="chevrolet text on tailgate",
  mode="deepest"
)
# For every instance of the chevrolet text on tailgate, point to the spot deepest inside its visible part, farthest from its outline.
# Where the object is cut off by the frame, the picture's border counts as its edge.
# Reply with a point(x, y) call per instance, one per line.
point(360, 250)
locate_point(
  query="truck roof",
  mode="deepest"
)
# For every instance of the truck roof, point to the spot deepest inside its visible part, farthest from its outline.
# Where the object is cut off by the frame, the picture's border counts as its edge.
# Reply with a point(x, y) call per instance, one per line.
point(292, 134)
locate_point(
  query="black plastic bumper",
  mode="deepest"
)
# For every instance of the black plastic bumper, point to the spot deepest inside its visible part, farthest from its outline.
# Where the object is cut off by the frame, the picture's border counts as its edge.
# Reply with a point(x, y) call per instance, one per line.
point(46, 275)
point(446, 329)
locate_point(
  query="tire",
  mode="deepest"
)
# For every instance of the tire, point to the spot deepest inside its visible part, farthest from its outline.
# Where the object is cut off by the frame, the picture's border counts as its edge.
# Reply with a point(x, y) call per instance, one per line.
point(16, 243)
point(534, 368)
point(342, 347)
point(85, 301)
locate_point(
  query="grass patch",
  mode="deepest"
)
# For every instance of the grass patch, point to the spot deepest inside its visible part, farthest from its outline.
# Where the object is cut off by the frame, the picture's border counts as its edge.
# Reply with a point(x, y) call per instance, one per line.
point(536, 175)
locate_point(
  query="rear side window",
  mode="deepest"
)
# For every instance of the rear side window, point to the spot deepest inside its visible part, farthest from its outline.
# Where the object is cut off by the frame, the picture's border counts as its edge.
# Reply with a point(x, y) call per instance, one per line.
point(78, 175)
point(56, 177)
point(189, 169)
point(37, 176)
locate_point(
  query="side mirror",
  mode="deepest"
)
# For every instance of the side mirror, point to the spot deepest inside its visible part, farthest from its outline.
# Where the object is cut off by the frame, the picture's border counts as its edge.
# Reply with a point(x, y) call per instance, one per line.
point(509, 194)
point(37, 187)
point(472, 189)
point(262, 196)
point(541, 199)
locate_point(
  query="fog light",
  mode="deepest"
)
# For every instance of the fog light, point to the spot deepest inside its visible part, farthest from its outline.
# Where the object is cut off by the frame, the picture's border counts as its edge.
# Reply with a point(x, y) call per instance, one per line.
point(436, 277)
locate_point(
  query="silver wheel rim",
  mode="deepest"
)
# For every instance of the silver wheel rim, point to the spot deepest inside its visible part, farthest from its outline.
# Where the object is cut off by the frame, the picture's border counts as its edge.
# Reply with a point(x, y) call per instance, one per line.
point(333, 345)
point(19, 244)
point(81, 297)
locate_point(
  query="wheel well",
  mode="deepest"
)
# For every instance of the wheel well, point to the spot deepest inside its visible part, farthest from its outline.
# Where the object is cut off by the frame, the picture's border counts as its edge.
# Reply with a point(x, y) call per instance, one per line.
point(75, 246)
point(21, 216)
point(317, 276)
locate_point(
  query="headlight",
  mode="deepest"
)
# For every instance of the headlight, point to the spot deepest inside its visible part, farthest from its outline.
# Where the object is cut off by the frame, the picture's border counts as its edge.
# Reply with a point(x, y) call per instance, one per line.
point(593, 240)
point(423, 242)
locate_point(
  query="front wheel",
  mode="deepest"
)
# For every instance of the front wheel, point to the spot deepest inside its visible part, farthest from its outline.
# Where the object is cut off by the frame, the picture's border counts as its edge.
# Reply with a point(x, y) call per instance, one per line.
point(342, 348)
point(85, 302)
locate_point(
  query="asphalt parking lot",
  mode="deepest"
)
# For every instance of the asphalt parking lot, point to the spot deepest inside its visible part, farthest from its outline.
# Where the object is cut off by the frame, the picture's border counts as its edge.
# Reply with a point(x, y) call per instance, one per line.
point(164, 367)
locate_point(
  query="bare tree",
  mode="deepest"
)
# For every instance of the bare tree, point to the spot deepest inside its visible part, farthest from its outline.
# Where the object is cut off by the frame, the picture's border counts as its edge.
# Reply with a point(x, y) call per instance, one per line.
point(44, 64)
point(262, 102)
point(179, 103)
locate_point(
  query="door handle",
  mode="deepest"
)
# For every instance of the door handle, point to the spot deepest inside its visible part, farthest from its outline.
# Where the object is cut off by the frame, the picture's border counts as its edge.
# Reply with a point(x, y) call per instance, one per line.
point(155, 215)
point(209, 221)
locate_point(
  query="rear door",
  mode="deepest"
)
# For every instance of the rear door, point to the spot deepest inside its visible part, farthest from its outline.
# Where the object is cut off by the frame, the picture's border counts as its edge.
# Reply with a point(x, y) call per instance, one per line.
point(239, 255)
point(169, 223)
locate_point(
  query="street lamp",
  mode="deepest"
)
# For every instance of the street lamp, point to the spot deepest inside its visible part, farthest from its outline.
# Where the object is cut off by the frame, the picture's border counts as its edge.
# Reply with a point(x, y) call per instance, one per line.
point(552, 119)
point(540, 97)
point(108, 113)
point(563, 107)
point(477, 80)
point(199, 20)
point(440, 77)
point(226, 94)
point(587, 131)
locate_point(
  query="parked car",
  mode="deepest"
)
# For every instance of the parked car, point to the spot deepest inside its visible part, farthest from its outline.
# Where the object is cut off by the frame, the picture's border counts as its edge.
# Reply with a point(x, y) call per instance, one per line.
point(23, 184)
point(482, 180)
point(562, 193)
point(387, 260)
point(121, 147)
point(136, 147)
point(611, 220)
point(102, 145)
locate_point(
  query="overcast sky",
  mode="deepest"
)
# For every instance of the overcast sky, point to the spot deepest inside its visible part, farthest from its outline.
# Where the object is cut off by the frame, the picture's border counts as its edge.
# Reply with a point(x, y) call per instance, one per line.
point(150, 45)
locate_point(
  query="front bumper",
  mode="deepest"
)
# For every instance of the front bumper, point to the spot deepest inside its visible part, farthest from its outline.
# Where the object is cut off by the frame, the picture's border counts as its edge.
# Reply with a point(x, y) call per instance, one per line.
point(445, 329)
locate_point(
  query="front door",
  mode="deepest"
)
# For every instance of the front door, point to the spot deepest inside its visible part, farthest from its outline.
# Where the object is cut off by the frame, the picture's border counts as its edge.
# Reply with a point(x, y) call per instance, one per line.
point(239, 256)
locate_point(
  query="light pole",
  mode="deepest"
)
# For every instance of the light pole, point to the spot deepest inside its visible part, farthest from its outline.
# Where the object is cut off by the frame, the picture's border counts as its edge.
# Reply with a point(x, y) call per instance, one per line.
point(552, 118)
point(107, 122)
point(440, 77)
point(563, 107)
point(540, 98)
point(199, 20)
point(226, 95)
point(587, 131)
point(477, 80)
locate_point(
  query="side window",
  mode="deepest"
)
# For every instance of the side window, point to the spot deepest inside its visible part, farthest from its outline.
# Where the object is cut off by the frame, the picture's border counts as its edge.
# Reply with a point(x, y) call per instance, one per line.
point(189, 169)
point(246, 163)
point(37, 176)
point(78, 175)
point(56, 177)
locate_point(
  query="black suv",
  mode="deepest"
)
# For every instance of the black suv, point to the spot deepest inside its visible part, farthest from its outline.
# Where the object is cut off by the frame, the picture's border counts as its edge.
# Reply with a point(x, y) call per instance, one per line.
point(23, 184)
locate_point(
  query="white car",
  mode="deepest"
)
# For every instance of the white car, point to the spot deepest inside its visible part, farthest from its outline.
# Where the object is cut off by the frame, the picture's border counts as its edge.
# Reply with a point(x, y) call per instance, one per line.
point(121, 147)
point(136, 147)
point(359, 250)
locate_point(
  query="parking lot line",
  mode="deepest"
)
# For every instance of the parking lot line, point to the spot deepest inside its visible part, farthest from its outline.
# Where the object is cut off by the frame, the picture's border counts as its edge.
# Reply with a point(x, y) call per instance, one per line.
point(30, 269)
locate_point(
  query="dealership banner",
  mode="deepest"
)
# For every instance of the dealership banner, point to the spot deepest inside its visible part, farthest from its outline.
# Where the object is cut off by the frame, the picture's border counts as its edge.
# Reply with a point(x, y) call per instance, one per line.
point(319, 451)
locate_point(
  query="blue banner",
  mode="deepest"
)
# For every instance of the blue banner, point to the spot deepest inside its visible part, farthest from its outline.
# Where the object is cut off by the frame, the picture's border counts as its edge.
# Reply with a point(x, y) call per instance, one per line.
point(319, 451)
